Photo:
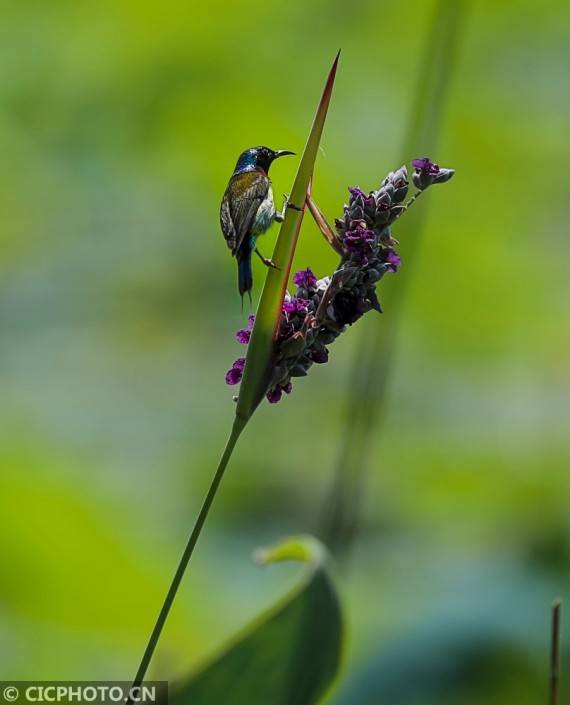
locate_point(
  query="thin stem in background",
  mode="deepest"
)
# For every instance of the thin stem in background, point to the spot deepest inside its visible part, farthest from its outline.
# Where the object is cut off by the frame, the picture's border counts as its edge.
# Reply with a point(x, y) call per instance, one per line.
point(373, 354)
point(555, 651)
point(238, 427)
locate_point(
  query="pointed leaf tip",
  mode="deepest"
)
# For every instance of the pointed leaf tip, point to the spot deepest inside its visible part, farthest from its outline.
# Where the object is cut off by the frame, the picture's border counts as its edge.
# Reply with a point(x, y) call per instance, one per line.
point(289, 654)
point(332, 75)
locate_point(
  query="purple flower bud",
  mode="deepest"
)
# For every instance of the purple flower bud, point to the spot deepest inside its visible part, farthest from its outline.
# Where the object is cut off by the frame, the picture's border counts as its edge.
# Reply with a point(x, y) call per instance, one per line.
point(383, 200)
point(425, 164)
point(295, 305)
point(320, 355)
point(234, 375)
point(393, 260)
point(305, 278)
point(443, 176)
point(359, 239)
point(239, 364)
point(382, 212)
point(348, 308)
point(425, 172)
point(399, 180)
point(274, 395)
point(395, 213)
point(357, 211)
point(356, 193)
point(288, 388)
point(243, 336)
point(340, 226)
point(370, 206)
point(286, 329)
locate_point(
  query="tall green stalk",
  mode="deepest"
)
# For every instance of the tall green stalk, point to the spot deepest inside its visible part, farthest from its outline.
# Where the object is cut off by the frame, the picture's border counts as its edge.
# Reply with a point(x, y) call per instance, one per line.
point(259, 354)
point(237, 428)
point(371, 366)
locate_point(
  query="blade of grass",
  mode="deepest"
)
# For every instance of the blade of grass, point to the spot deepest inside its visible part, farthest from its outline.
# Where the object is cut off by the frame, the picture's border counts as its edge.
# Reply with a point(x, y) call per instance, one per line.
point(261, 347)
point(373, 354)
point(258, 361)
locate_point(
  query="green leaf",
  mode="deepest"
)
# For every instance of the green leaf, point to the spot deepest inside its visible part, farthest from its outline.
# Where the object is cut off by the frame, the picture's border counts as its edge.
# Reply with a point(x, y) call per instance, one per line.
point(290, 655)
point(261, 347)
point(259, 355)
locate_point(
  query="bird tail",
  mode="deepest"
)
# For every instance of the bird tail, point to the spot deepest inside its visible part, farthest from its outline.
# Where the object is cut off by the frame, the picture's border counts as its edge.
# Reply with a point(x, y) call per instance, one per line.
point(245, 276)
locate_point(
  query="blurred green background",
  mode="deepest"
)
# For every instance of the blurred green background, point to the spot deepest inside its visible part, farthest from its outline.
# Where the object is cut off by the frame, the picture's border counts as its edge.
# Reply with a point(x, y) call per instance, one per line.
point(120, 123)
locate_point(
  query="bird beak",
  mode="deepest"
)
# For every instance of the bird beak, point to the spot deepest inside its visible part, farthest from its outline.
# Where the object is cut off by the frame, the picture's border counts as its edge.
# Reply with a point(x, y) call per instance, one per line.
point(282, 153)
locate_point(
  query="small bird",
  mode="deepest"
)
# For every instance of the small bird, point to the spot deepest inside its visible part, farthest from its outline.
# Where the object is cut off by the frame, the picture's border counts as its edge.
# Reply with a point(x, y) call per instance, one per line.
point(248, 209)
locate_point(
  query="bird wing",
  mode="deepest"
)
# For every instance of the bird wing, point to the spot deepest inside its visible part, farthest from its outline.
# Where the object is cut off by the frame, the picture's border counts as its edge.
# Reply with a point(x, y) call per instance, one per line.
point(245, 193)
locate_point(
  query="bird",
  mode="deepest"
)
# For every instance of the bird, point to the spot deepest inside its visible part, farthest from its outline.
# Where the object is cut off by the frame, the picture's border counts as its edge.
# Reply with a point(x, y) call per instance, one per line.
point(248, 209)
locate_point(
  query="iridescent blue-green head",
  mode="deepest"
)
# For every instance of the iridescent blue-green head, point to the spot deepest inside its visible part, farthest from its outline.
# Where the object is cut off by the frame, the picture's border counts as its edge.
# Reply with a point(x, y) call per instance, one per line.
point(258, 158)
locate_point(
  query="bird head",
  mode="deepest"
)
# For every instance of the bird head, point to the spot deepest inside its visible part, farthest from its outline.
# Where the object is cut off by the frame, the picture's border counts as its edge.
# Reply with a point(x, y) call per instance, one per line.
point(259, 158)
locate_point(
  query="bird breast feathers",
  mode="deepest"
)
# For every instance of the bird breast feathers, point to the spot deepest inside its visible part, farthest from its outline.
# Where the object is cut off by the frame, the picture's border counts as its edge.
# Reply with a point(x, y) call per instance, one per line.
point(265, 214)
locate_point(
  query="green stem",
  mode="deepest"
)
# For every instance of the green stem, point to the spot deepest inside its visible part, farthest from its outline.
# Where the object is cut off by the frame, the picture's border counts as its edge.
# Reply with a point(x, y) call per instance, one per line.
point(555, 652)
point(373, 355)
point(411, 201)
point(239, 425)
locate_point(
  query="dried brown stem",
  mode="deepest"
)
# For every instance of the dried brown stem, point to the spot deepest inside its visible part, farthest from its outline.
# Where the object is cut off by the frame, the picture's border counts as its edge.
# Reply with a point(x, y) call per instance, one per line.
point(324, 226)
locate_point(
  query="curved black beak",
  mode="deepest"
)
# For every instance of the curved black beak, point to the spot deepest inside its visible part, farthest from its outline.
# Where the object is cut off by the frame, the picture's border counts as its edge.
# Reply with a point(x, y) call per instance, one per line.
point(282, 153)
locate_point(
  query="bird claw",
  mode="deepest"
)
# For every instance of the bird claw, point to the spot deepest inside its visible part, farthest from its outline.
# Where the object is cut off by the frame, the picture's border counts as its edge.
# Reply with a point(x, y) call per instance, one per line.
point(269, 263)
point(287, 204)
point(266, 261)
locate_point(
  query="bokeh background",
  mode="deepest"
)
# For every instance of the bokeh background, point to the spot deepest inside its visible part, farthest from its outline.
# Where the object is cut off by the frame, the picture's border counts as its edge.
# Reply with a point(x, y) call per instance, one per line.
point(120, 123)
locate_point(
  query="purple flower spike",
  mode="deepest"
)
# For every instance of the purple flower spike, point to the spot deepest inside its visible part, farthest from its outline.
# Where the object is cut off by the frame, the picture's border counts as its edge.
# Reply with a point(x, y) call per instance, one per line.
point(317, 311)
point(425, 164)
point(393, 261)
point(274, 395)
point(305, 278)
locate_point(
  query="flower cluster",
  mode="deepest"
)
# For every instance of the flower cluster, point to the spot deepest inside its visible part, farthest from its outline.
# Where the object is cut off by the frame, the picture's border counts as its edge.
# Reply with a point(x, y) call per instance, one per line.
point(321, 309)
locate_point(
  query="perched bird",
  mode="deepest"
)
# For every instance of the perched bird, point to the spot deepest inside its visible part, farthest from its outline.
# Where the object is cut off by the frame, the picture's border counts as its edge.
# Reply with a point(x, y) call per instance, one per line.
point(248, 209)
